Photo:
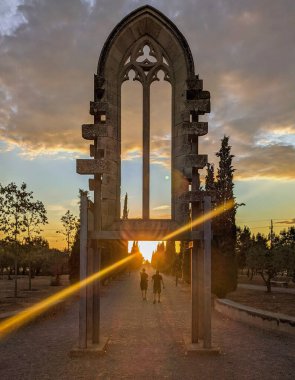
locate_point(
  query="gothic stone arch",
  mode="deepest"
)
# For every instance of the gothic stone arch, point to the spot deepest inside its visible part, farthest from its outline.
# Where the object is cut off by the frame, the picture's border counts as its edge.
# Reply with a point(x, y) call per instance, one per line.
point(146, 26)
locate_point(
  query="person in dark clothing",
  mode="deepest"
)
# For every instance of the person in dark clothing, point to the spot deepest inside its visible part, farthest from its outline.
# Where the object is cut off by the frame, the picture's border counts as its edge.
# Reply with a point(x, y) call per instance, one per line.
point(143, 283)
point(157, 282)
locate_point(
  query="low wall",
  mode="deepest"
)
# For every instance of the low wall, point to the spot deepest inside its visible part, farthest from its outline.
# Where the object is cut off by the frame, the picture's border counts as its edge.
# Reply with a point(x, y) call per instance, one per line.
point(257, 317)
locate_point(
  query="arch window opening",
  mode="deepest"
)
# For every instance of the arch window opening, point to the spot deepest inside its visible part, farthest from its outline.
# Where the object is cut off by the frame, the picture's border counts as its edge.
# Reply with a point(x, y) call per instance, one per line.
point(146, 138)
point(131, 145)
point(160, 149)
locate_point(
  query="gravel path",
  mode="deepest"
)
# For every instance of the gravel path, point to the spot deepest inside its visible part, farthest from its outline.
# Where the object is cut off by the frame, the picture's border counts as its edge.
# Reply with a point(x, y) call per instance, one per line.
point(146, 343)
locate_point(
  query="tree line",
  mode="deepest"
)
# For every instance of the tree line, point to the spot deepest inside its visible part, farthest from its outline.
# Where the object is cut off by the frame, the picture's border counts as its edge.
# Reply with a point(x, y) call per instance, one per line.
point(233, 248)
point(272, 257)
point(23, 250)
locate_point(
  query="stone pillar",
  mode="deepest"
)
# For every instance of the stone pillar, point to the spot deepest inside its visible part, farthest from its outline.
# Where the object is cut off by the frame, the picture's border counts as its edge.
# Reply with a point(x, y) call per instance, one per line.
point(146, 153)
point(83, 272)
point(96, 261)
point(195, 291)
point(207, 275)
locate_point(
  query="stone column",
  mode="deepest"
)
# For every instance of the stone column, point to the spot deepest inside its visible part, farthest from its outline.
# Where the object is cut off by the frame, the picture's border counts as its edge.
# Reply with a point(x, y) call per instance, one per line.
point(195, 299)
point(96, 261)
point(207, 275)
point(146, 152)
point(83, 272)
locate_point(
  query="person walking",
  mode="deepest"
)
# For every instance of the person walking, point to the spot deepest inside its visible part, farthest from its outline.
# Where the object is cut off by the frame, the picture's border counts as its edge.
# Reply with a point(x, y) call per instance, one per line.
point(143, 283)
point(157, 282)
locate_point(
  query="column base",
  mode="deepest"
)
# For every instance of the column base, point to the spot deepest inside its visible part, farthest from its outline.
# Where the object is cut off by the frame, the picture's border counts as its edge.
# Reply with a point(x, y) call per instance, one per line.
point(198, 348)
point(92, 350)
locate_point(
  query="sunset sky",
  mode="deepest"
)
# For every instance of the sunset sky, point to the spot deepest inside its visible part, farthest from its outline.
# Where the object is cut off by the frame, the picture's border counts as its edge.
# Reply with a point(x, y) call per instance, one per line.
point(243, 50)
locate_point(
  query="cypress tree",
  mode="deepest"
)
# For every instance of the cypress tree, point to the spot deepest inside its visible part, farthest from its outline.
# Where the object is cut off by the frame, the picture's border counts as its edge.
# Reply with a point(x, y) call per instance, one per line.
point(170, 256)
point(125, 208)
point(224, 266)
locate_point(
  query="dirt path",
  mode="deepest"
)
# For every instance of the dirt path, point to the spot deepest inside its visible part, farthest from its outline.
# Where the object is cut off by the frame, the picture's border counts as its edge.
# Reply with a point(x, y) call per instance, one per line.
point(146, 343)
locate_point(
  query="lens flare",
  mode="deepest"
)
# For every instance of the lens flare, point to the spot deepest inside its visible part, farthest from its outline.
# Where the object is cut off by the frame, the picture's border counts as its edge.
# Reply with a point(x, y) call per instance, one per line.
point(203, 218)
point(11, 324)
point(28, 314)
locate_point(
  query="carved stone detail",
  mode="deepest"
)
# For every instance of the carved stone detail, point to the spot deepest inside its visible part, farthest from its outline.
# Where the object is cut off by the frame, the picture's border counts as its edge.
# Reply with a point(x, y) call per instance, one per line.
point(96, 107)
point(95, 166)
point(92, 131)
point(193, 128)
point(196, 196)
point(199, 105)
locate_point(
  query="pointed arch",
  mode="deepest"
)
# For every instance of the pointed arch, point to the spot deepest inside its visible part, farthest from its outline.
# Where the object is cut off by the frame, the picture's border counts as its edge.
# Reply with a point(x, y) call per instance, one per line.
point(147, 20)
point(146, 26)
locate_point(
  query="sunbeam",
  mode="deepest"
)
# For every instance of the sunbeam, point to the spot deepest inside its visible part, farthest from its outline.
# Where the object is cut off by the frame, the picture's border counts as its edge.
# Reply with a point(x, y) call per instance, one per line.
point(13, 323)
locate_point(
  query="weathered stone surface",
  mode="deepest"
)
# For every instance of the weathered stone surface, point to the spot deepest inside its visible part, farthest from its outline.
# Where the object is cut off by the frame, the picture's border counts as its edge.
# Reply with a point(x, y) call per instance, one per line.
point(96, 107)
point(93, 184)
point(93, 166)
point(98, 81)
point(155, 229)
point(196, 196)
point(91, 150)
point(185, 115)
point(92, 131)
point(108, 179)
point(190, 161)
point(193, 128)
point(110, 147)
point(199, 105)
point(182, 146)
point(108, 192)
point(197, 94)
point(194, 83)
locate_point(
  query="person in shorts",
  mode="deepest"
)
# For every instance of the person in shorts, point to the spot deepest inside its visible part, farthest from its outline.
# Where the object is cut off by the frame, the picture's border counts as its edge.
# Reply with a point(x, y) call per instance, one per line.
point(143, 283)
point(157, 283)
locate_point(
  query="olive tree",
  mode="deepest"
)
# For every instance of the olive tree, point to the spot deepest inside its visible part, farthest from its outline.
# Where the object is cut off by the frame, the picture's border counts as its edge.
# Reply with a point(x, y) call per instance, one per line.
point(16, 203)
point(70, 223)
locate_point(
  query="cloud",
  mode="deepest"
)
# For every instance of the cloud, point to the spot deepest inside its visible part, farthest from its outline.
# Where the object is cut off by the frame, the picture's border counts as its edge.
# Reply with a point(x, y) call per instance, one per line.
point(291, 221)
point(244, 51)
point(56, 208)
point(273, 161)
point(163, 207)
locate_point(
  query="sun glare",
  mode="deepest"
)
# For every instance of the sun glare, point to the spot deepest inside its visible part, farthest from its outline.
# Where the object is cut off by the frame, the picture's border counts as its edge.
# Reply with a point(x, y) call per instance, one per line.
point(146, 248)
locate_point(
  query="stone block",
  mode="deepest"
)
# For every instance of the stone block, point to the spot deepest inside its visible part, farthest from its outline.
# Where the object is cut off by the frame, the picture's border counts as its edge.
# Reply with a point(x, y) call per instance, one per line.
point(95, 166)
point(196, 196)
point(92, 350)
point(185, 115)
point(197, 94)
point(199, 348)
point(109, 192)
point(92, 150)
point(92, 131)
point(193, 129)
point(182, 146)
point(98, 81)
point(93, 184)
point(98, 107)
point(194, 83)
point(110, 146)
point(200, 106)
point(190, 161)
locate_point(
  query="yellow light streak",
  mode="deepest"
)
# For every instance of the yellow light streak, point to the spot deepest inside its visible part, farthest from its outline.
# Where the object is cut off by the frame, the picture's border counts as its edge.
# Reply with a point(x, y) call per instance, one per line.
point(11, 324)
point(201, 219)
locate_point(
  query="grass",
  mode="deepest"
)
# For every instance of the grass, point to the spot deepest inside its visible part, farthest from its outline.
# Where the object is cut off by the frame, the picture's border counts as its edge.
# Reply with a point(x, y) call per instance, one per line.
point(277, 302)
point(41, 289)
